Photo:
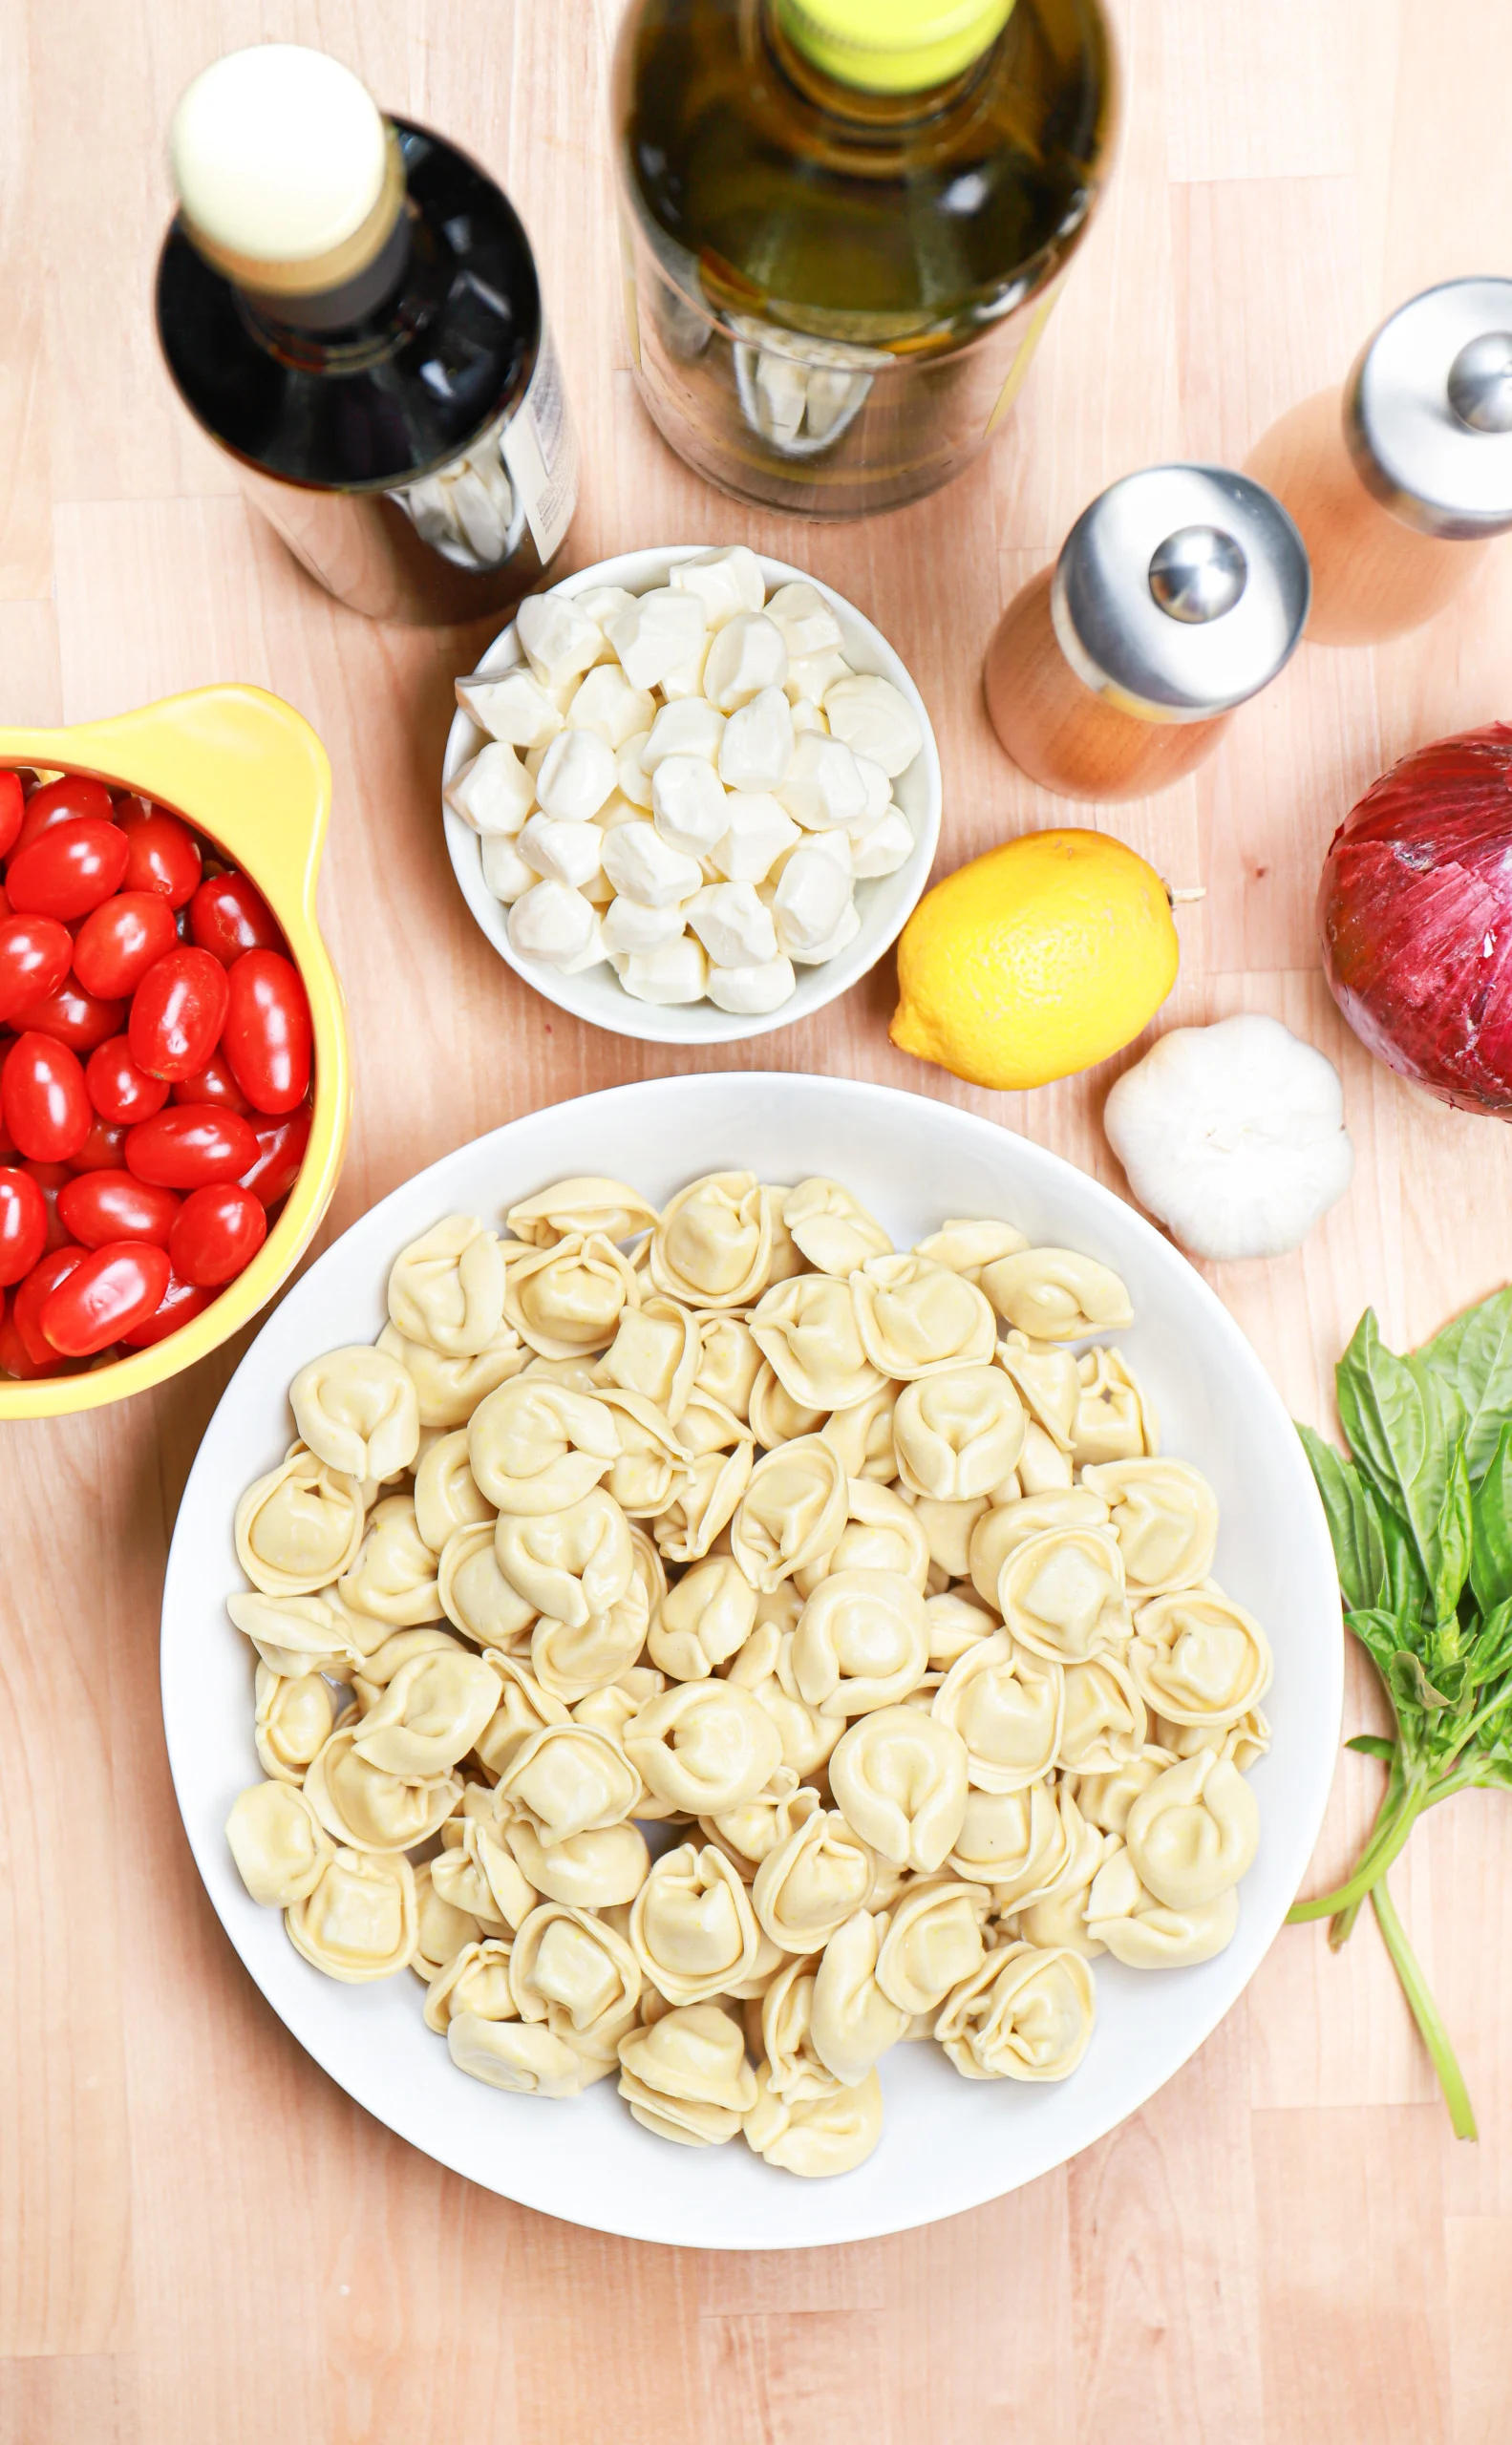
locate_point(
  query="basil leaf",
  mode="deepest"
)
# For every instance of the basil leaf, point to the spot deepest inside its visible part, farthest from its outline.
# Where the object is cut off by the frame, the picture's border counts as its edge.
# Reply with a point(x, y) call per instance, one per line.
point(1452, 1535)
point(1490, 1653)
point(1380, 1634)
point(1491, 1535)
point(1368, 1744)
point(1473, 1355)
point(1353, 1522)
point(1402, 1421)
point(1404, 1588)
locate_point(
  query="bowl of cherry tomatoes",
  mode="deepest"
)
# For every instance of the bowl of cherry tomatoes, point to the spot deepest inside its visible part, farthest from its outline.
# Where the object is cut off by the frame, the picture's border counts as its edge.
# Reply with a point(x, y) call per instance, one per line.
point(174, 1077)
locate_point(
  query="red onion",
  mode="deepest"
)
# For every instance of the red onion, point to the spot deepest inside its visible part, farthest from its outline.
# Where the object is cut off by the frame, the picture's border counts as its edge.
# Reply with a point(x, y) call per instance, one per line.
point(1414, 910)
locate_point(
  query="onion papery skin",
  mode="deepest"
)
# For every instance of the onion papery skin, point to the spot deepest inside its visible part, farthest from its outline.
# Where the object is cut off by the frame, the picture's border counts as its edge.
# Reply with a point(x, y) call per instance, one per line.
point(1414, 916)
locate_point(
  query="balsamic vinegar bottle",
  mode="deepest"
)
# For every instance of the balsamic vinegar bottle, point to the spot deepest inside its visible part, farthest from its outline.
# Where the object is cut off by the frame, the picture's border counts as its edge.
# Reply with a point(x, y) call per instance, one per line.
point(349, 308)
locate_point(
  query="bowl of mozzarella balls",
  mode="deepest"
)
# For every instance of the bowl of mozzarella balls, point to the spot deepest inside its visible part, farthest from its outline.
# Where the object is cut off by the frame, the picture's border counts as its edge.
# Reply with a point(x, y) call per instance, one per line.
point(690, 795)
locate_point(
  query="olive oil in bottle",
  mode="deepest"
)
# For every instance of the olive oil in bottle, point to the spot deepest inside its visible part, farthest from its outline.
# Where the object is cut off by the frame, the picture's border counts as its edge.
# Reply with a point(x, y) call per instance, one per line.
point(349, 308)
point(844, 223)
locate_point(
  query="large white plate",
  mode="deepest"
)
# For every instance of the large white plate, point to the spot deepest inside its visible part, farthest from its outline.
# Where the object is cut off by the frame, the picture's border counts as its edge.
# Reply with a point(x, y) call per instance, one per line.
point(948, 2143)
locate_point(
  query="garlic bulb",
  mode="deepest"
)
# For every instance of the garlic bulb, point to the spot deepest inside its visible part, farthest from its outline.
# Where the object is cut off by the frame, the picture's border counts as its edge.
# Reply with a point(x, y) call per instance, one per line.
point(1233, 1135)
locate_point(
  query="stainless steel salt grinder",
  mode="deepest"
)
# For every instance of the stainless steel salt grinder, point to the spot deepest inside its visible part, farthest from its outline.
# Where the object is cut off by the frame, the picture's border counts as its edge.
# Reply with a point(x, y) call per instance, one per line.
point(1180, 592)
point(1399, 482)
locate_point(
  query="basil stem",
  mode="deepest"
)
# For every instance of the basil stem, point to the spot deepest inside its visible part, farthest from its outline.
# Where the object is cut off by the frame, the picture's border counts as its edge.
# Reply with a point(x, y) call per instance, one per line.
point(1425, 2012)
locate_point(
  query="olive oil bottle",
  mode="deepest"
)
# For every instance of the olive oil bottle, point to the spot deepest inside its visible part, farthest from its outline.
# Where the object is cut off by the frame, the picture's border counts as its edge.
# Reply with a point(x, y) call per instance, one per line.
point(844, 223)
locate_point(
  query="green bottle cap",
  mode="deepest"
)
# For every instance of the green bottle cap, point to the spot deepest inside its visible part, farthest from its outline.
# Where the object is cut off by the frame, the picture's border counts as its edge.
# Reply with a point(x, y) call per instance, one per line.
point(893, 46)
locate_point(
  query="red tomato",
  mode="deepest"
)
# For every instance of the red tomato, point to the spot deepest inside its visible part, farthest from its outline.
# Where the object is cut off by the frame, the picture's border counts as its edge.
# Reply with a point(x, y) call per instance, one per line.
point(115, 1289)
point(268, 1036)
point(63, 801)
point(179, 1303)
point(34, 955)
point(47, 1106)
point(73, 1017)
point(100, 1207)
point(70, 870)
point(280, 1155)
point(39, 1285)
point(23, 1225)
point(163, 854)
point(178, 1013)
point(16, 1359)
point(191, 1146)
point(104, 1149)
point(13, 807)
point(5, 902)
point(50, 1178)
point(228, 916)
point(216, 1234)
point(119, 940)
point(118, 1090)
point(214, 1084)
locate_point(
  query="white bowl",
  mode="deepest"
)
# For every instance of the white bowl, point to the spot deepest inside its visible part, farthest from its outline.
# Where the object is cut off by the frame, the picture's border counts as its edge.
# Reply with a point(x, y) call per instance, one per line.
point(948, 2143)
point(884, 904)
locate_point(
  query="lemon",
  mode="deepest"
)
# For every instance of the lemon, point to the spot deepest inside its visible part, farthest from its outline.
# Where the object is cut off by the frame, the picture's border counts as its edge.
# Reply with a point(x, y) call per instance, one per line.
point(1036, 960)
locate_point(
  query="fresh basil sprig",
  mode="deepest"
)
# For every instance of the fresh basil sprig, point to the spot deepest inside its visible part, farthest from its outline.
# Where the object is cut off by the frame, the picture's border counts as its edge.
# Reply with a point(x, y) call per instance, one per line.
point(1421, 1516)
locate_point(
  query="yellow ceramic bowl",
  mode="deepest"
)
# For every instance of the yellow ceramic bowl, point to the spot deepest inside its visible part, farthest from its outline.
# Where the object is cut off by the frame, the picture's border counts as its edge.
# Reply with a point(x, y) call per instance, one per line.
point(247, 770)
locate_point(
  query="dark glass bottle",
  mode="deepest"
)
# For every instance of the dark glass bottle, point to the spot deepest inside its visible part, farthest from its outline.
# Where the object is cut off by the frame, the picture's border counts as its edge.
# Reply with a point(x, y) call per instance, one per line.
point(837, 272)
point(400, 419)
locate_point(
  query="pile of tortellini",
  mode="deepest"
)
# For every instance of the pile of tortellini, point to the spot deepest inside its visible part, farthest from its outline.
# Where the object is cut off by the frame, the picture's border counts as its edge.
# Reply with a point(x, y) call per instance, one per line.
point(734, 1522)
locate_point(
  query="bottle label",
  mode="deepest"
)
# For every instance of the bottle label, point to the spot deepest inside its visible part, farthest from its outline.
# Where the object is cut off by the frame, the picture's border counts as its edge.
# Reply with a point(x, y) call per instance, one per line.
point(540, 451)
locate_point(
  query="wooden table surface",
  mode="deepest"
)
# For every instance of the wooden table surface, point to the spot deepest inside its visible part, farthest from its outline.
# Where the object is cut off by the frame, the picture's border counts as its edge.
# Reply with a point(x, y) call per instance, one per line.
point(201, 2241)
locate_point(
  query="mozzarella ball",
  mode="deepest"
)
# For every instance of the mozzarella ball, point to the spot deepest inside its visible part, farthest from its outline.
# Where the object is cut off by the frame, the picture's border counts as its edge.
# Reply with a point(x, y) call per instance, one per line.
point(659, 630)
point(733, 925)
point(747, 656)
point(640, 864)
point(824, 784)
point(551, 922)
point(676, 972)
point(757, 833)
point(758, 744)
point(689, 804)
point(576, 775)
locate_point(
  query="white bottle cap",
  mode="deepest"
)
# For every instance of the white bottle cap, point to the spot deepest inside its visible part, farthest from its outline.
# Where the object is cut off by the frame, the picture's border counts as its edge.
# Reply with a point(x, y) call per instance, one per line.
point(287, 171)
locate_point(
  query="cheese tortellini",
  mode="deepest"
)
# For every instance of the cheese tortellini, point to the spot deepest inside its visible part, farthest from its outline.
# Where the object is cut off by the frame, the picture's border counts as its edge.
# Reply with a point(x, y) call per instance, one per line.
point(736, 1521)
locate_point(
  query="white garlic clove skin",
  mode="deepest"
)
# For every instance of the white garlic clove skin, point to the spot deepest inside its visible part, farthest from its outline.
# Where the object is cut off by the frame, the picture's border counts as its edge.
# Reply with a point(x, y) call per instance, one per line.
point(734, 927)
point(629, 770)
point(505, 870)
point(630, 925)
point(689, 804)
point(558, 642)
point(807, 624)
point(810, 902)
point(757, 833)
point(570, 853)
point(660, 629)
point(644, 866)
point(576, 775)
point(677, 972)
point(754, 990)
point(876, 719)
point(1233, 1137)
point(515, 709)
point(824, 784)
point(841, 939)
point(747, 656)
point(759, 742)
point(690, 727)
point(551, 922)
point(726, 581)
point(609, 706)
point(493, 792)
point(882, 847)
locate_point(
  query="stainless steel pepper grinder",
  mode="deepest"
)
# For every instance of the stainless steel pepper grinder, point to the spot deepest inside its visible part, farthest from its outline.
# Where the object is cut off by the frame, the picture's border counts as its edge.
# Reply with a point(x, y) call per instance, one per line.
point(1400, 481)
point(1180, 592)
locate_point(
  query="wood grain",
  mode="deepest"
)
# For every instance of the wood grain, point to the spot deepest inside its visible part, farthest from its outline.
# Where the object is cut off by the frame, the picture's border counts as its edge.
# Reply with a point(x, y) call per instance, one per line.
point(202, 2241)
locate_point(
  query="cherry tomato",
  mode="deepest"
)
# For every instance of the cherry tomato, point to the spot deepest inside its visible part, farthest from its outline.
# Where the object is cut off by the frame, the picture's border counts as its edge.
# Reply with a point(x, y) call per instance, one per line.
point(73, 1017)
point(119, 940)
point(23, 1225)
point(50, 1178)
point(267, 1037)
point(191, 1146)
point(104, 1149)
point(280, 1155)
point(163, 854)
point(115, 1289)
point(216, 1234)
point(13, 807)
point(5, 902)
point(70, 870)
point(16, 1360)
point(118, 1090)
point(63, 801)
point(100, 1207)
point(178, 1013)
point(179, 1303)
point(47, 1106)
point(35, 956)
point(228, 916)
point(214, 1084)
point(39, 1285)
